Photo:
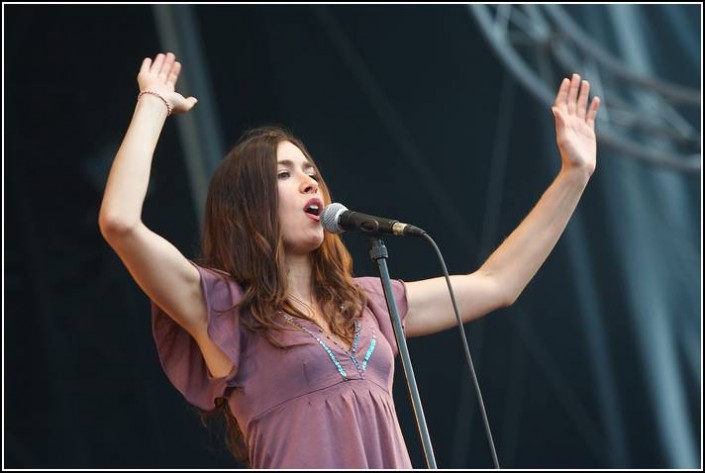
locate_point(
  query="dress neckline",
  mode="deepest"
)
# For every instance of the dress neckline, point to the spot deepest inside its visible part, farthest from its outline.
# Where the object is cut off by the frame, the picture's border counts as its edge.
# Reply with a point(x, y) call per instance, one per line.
point(320, 333)
point(351, 354)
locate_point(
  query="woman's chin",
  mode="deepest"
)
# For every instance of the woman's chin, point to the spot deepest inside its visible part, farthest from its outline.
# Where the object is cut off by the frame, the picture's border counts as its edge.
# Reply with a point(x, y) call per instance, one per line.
point(307, 246)
point(315, 244)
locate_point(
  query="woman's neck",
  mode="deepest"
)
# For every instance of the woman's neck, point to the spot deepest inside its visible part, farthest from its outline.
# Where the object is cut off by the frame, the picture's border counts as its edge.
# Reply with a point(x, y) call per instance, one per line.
point(299, 270)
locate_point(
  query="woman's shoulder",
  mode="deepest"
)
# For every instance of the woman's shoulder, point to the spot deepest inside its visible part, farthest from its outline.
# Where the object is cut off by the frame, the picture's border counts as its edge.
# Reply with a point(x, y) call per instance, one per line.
point(219, 272)
point(218, 280)
point(373, 285)
point(204, 268)
point(368, 283)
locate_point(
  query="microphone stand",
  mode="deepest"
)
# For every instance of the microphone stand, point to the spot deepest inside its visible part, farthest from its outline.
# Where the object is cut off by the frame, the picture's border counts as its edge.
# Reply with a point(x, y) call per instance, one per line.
point(378, 253)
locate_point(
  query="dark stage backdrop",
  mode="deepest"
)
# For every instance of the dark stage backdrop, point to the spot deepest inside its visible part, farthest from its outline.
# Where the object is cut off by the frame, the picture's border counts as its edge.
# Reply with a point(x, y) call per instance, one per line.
point(403, 126)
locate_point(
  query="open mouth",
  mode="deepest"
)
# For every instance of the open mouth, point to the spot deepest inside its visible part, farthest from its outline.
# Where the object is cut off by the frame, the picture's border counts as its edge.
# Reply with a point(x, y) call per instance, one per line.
point(313, 209)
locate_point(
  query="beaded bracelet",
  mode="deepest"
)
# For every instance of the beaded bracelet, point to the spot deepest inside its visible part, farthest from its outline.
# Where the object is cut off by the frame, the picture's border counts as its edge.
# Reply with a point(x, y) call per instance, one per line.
point(157, 94)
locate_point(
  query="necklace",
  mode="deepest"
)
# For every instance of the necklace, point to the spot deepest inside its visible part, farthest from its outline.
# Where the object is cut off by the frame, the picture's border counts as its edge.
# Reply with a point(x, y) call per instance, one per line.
point(308, 308)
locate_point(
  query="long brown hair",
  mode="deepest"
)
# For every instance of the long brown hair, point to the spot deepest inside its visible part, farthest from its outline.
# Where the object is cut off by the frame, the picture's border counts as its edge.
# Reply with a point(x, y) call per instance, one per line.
point(242, 236)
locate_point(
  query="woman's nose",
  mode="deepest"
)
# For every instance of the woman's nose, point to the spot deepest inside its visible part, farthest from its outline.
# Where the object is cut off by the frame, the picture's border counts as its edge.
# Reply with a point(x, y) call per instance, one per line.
point(310, 185)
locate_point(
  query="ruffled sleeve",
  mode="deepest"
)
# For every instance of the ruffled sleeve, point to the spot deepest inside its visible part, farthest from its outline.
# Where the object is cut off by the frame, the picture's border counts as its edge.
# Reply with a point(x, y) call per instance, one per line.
point(377, 304)
point(179, 353)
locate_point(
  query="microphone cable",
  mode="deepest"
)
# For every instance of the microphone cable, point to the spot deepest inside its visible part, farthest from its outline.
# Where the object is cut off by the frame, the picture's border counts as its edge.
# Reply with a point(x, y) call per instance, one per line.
point(468, 358)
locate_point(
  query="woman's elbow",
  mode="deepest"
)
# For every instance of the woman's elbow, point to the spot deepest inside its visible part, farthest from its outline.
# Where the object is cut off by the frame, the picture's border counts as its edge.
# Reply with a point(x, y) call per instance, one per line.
point(510, 296)
point(508, 301)
point(112, 226)
point(501, 292)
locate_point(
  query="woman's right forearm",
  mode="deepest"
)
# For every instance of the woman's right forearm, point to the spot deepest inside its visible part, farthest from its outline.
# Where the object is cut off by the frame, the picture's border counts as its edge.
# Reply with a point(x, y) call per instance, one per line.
point(128, 181)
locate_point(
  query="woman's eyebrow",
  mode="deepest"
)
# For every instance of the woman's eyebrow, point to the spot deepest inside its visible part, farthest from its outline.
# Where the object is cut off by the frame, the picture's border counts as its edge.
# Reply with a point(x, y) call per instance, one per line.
point(288, 162)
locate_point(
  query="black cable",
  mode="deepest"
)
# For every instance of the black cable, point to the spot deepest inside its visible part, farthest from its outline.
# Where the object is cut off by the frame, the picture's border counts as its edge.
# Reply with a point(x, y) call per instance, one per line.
point(468, 358)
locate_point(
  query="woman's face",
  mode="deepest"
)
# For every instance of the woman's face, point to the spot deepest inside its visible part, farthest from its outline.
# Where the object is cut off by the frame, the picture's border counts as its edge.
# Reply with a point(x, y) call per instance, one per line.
point(300, 202)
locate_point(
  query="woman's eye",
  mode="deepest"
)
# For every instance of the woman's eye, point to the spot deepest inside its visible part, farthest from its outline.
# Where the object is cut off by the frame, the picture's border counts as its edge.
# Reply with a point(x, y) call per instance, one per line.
point(314, 177)
point(283, 174)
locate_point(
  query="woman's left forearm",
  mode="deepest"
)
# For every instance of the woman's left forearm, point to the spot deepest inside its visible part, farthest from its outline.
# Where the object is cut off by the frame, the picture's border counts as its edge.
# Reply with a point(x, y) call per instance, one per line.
point(520, 256)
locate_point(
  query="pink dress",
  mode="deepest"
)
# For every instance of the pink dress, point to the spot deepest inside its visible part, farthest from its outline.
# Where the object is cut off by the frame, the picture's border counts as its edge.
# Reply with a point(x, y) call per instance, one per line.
point(314, 404)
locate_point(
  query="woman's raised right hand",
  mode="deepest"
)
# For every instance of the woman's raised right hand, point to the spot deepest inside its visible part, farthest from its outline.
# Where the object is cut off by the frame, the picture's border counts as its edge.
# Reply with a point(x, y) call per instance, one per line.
point(160, 76)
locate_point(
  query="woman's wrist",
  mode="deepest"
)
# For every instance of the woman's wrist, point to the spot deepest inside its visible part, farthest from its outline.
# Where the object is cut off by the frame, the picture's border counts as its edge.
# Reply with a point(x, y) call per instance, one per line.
point(169, 108)
point(579, 175)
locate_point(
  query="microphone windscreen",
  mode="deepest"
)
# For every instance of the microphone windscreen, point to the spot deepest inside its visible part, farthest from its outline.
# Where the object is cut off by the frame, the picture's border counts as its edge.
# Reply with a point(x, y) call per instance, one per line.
point(330, 216)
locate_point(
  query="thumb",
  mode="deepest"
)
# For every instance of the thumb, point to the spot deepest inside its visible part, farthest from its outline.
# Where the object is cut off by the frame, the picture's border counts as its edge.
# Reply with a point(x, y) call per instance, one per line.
point(558, 115)
point(192, 101)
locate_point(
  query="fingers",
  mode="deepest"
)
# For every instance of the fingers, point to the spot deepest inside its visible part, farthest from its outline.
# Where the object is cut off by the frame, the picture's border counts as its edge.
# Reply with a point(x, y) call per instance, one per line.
point(573, 96)
point(562, 95)
point(145, 65)
point(592, 111)
point(174, 74)
point(583, 98)
point(573, 92)
point(166, 66)
point(157, 64)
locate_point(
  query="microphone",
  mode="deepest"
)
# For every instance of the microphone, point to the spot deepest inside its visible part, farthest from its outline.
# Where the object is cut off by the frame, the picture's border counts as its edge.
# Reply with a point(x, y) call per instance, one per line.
point(336, 218)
